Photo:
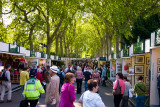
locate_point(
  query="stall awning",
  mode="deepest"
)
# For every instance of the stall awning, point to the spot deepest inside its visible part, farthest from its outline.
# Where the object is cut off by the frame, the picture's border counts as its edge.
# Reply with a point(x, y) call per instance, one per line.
point(140, 54)
point(32, 57)
point(16, 54)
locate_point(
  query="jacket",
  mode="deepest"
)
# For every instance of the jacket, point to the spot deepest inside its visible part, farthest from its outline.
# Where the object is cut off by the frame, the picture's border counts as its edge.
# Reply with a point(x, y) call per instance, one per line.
point(67, 95)
point(52, 91)
point(33, 89)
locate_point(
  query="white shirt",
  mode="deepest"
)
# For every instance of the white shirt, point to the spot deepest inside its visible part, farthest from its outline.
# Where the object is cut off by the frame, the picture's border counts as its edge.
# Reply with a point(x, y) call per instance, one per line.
point(91, 99)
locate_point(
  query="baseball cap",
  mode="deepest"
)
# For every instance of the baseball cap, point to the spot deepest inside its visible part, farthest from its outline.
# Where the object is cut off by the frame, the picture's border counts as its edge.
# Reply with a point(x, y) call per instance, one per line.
point(54, 69)
point(32, 73)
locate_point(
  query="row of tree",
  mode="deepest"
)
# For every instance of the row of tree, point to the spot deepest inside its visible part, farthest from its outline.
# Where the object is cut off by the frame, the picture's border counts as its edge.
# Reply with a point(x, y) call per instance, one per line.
point(78, 27)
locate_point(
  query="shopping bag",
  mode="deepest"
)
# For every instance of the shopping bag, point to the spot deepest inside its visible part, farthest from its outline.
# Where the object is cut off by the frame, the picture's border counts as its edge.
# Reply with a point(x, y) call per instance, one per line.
point(131, 90)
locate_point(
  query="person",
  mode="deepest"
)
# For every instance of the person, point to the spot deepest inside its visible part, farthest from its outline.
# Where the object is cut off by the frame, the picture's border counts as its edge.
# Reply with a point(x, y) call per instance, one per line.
point(79, 77)
point(126, 92)
point(6, 83)
point(118, 98)
point(32, 90)
point(140, 90)
point(40, 75)
point(104, 75)
point(96, 76)
point(87, 76)
point(52, 93)
point(68, 91)
point(90, 98)
point(61, 76)
point(47, 76)
point(24, 76)
point(158, 78)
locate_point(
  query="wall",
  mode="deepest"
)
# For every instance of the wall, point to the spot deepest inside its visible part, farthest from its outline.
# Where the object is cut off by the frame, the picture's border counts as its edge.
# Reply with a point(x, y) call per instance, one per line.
point(155, 54)
point(145, 67)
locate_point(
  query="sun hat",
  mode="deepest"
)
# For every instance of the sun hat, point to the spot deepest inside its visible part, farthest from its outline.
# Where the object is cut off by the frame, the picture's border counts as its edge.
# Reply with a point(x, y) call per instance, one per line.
point(54, 68)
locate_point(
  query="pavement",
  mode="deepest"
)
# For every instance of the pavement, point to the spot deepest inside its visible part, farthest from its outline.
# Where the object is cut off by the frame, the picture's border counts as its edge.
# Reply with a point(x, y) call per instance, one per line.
point(105, 93)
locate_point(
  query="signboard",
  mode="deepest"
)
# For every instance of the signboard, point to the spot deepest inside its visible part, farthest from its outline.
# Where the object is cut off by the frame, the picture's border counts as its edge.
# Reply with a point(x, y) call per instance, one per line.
point(102, 58)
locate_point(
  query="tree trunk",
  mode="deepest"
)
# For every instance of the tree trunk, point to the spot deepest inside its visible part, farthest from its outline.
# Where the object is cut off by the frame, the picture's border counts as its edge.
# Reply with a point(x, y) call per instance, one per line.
point(56, 44)
point(107, 45)
point(117, 44)
point(110, 46)
point(0, 9)
point(30, 37)
point(65, 46)
point(61, 46)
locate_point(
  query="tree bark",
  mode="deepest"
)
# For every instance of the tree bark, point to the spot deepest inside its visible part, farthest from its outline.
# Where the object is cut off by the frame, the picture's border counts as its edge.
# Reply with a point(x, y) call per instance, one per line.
point(61, 46)
point(30, 37)
point(57, 44)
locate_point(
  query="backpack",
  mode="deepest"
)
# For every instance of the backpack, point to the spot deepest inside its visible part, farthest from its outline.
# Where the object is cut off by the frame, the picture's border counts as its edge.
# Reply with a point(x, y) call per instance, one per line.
point(3, 77)
point(61, 77)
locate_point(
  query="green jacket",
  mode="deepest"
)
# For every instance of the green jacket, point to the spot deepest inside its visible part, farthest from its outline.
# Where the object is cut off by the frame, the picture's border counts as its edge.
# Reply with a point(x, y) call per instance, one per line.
point(33, 89)
point(140, 88)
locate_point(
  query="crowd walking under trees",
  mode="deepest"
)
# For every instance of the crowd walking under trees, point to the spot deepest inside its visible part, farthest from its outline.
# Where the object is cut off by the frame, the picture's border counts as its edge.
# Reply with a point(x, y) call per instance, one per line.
point(58, 84)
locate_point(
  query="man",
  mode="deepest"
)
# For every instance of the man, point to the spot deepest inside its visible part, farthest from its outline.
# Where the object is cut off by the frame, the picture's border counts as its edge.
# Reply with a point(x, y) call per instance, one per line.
point(24, 76)
point(47, 77)
point(52, 94)
point(87, 76)
point(6, 83)
point(140, 90)
point(32, 89)
point(104, 75)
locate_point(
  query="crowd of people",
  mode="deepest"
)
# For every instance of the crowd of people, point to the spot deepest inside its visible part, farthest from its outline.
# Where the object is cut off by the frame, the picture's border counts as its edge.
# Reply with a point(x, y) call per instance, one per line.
point(58, 85)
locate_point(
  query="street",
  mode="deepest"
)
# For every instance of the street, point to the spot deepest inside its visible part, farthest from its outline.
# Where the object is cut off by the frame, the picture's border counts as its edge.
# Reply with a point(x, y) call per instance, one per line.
point(105, 93)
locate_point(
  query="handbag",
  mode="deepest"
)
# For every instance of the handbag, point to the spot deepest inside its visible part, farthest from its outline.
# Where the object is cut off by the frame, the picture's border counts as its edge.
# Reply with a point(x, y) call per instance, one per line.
point(117, 91)
point(130, 92)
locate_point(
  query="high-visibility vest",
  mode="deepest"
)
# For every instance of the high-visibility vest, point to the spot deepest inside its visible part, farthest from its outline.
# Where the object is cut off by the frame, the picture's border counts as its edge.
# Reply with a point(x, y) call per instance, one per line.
point(32, 89)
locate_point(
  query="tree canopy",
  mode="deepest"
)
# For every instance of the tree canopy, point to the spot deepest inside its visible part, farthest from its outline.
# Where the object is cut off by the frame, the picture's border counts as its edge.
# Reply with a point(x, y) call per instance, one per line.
point(76, 28)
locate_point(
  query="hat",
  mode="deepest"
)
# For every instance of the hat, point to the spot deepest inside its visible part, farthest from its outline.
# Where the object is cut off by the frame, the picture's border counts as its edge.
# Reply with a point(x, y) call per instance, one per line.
point(54, 69)
point(32, 73)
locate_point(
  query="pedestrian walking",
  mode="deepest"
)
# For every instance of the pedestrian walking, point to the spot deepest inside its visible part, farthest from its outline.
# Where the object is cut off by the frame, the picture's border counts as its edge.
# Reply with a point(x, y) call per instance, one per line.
point(91, 98)
point(119, 83)
point(104, 76)
point(140, 90)
point(6, 83)
point(126, 92)
point(87, 76)
point(68, 91)
point(61, 76)
point(79, 78)
point(52, 93)
point(47, 76)
point(96, 76)
point(32, 90)
point(158, 78)
point(24, 76)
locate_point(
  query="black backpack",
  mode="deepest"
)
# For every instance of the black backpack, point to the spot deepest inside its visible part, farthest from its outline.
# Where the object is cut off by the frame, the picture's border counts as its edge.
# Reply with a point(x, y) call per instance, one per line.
point(3, 77)
point(61, 77)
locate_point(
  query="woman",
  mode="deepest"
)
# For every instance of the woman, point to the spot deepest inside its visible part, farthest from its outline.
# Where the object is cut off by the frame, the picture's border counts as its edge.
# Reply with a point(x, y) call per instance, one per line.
point(68, 91)
point(79, 74)
point(96, 76)
point(126, 92)
point(118, 97)
point(90, 98)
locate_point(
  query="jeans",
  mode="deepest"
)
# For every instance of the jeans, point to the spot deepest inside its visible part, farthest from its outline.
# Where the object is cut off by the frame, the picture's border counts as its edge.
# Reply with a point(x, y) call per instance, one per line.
point(117, 100)
point(22, 88)
point(85, 85)
point(79, 85)
point(6, 84)
point(140, 100)
point(104, 81)
point(124, 101)
point(159, 95)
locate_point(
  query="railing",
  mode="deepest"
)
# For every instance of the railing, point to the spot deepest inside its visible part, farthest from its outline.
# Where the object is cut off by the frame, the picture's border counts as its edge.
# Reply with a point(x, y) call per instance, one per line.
point(42, 55)
point(125, 52)
point(32, 53)
point(14, 48)
point(157, 37)
point(138, 47)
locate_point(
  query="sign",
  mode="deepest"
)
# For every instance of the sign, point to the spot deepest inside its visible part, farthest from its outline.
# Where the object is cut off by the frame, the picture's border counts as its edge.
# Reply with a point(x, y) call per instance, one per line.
point(102, 58)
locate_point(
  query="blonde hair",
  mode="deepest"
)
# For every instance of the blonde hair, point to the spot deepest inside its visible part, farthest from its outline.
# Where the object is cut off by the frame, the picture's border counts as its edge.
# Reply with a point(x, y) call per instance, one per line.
point(79, 68)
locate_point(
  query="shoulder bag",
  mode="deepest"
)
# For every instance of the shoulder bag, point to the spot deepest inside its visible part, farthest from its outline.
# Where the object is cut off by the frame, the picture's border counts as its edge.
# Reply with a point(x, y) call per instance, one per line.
point(117, 91)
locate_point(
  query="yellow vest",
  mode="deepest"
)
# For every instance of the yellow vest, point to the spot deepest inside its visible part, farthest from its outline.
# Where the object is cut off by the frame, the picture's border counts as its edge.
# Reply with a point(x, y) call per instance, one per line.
point(33, 89)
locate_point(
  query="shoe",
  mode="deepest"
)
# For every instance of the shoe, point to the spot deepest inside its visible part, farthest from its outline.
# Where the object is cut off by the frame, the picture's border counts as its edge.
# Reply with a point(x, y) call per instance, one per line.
point(9, 101)
point(1, 101)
